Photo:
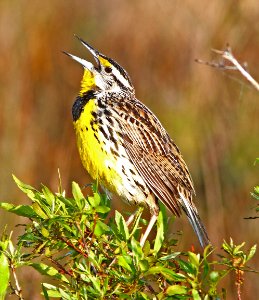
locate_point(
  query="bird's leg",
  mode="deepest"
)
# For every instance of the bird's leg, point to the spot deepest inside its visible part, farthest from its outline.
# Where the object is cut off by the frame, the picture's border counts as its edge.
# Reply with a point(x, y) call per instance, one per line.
point(150, 226)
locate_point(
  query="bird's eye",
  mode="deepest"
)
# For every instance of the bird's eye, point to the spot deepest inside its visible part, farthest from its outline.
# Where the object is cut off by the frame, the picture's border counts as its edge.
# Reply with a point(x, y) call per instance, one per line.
point(107, 69)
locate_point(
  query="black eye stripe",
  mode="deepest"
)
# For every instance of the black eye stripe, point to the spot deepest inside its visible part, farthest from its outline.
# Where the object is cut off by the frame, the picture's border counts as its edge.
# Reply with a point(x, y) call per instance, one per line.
point(117, 81)
point(113, 68)
point(120, 69)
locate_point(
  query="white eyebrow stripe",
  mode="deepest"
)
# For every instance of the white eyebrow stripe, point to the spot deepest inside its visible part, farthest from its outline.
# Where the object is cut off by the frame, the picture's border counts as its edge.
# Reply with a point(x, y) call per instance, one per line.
point(120, 77)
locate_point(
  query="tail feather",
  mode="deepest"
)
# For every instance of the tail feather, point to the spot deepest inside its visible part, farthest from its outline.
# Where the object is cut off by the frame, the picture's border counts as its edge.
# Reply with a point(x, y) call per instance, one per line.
point(195, 221)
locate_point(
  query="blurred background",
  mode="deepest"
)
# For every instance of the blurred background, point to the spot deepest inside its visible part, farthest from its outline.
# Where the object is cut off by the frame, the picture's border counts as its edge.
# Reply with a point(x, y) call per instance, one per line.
point(212, 116)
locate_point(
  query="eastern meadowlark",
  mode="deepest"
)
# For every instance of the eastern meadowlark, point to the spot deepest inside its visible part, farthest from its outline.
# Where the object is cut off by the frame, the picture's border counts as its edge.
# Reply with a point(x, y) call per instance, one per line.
point(123, 145)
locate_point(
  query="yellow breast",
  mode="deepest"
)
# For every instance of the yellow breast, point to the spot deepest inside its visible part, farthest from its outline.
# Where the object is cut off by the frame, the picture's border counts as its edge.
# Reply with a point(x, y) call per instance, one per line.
point(99, 163)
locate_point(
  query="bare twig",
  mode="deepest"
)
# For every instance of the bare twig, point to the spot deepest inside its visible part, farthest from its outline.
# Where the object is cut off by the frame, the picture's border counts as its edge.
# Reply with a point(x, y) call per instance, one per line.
point(18, 290)
point(227, 55)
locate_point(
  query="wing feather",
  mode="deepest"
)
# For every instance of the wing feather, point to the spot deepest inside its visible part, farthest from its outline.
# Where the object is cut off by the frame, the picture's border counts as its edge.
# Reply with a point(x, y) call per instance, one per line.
point(159, 161)
point(154, 154)
point(142, 128)
point(148, 167)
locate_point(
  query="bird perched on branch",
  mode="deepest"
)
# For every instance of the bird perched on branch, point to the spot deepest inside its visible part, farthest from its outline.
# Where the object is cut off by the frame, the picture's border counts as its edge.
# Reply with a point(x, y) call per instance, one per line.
point(123, 145)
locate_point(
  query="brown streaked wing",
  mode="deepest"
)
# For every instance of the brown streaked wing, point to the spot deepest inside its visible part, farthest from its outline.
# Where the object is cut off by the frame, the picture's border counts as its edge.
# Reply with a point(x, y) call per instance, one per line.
point(148, 167)
point(141, 128)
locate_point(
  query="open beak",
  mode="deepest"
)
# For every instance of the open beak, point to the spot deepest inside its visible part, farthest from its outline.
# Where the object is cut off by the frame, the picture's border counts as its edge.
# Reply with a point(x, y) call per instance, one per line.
point(86, 64)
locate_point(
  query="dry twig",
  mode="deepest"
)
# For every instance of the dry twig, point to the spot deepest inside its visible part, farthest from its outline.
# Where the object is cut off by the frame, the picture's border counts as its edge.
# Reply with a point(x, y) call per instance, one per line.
point(227, 55)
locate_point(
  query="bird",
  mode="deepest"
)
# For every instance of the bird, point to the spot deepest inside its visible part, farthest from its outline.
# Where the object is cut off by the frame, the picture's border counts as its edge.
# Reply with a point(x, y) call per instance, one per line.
point(123, 145)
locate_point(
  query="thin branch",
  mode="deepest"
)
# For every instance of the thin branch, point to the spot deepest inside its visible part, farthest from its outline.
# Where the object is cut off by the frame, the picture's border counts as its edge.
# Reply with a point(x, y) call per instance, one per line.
point(239, 282)
point(18, 290)
point(227, 55)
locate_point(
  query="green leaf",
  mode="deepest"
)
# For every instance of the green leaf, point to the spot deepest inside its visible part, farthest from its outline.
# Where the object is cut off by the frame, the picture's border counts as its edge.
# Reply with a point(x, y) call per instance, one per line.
point(52, 290)
point(237, 248)
point(206, 269)
point(45, 292)
point(49, 271)
point(195, 295)
point(137, 220)
point(169, 274)
point(96, 282)
point(102, 209)
point(160, 233)
point(38, 210)
point(121, 225)
point(77, 194)
point(94, 201)
point(29, 237)
point(123, 296)
point(97, 199)
point(144, 296)
point(20, 210)
point(136, 249)
point(4, 240)
point(194, 259)
point(187, 267)
point(251, 253)
point(100, 228)
point(124, 262)
point(146, 248)
point(176, 290)
point(256, 192)
point(45, 232)
point(27, 189)
point(4, 275)
point(170, 256)
point(163, 210)
point(11, 248)
point(144, 265)
point(48, 195)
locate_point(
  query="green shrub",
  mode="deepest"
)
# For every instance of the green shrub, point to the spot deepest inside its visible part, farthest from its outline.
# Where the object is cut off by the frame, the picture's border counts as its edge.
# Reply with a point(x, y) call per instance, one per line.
point(90, 256)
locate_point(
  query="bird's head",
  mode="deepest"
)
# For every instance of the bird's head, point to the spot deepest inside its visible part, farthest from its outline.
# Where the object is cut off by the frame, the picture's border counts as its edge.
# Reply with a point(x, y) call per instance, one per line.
point(106, 76)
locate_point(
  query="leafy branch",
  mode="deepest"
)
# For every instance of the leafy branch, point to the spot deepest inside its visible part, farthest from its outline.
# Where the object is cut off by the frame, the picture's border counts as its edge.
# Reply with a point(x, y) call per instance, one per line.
point(91, 256)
